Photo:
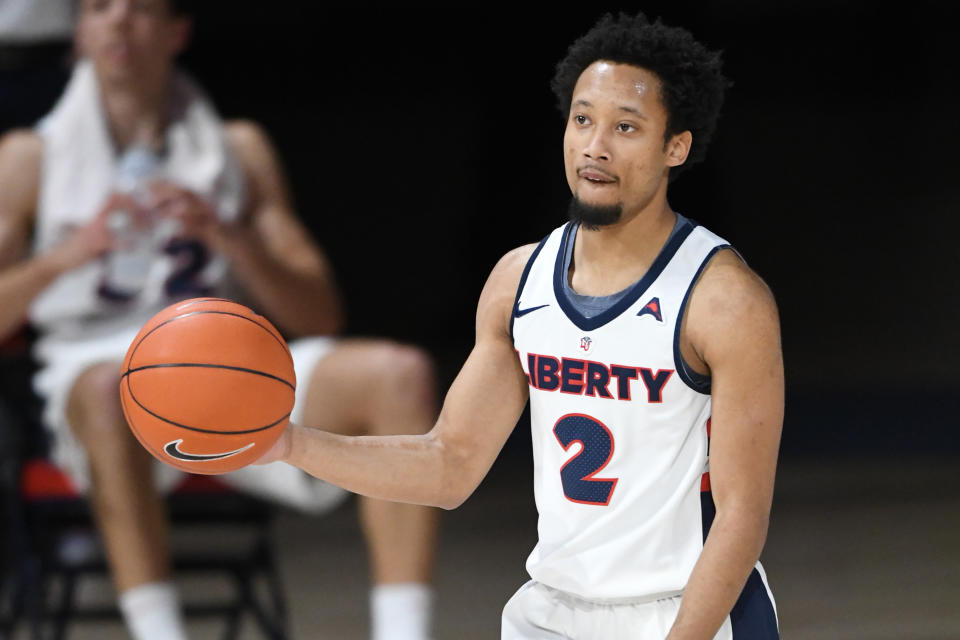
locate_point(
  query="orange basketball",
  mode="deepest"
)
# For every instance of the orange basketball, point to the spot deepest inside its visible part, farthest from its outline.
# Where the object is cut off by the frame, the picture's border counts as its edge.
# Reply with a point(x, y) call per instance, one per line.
point(207, 385)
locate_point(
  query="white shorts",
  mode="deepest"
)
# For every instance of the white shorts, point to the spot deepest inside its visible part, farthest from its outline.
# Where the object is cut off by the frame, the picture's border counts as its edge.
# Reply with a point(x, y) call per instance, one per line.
point(539, 612)
point(63, 362)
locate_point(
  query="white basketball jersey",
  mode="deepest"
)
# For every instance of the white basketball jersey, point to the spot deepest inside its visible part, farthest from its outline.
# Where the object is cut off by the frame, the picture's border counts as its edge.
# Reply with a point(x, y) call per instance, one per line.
point(77, 178)
point(620, 433)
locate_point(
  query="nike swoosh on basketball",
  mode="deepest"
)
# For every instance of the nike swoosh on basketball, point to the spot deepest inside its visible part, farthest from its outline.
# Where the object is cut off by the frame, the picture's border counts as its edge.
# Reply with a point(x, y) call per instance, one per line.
point(172, 449)
point(517, 311)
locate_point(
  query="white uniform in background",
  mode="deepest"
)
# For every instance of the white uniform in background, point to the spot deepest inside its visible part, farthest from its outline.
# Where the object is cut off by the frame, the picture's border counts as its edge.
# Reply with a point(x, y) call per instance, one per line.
point(81, 323)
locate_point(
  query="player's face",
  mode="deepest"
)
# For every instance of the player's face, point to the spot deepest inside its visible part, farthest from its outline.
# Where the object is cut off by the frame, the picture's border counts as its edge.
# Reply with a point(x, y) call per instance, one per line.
point(614, 149)
point(130, 39)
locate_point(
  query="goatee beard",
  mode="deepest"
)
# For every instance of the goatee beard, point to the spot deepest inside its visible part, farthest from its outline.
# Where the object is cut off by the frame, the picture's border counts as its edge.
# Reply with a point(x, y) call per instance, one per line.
point(592, 216)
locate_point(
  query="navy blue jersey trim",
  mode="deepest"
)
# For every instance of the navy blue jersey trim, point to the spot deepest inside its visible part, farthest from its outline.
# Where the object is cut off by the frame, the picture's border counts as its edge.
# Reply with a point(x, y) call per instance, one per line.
point(752, 617)
point(637, 290)
point(523, 281)
point(696, 381)
point(707, 512)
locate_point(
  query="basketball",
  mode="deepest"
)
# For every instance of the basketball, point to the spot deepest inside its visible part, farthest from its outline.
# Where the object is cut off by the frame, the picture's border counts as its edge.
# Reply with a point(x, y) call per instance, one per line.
point(207, 385)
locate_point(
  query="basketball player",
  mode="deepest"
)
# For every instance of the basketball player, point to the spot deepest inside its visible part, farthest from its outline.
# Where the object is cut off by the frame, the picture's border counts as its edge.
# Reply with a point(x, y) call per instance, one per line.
point(221, 185)
point(646, 348)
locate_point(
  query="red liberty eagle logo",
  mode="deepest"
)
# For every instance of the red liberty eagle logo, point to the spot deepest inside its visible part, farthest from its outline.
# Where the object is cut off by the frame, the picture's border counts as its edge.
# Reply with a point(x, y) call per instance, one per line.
point(652, 308)
point(585, 343)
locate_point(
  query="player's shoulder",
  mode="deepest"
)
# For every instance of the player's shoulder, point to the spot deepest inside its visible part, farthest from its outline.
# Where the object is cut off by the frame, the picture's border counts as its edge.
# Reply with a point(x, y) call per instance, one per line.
point(21, 163)
point(506, 274)
point(731, 295)
point(510, 266)
point(257, 157)
point(247, 138)
point(727, 277)
point(22, 147)
point(499, 293)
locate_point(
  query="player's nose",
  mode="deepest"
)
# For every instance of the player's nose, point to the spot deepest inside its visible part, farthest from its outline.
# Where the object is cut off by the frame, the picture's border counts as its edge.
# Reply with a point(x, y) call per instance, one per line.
point(596, 146)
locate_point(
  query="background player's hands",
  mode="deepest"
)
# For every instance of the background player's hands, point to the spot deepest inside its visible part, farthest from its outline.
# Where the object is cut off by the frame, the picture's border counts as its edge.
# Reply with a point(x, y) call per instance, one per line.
point(196, 216)
point(94, 238)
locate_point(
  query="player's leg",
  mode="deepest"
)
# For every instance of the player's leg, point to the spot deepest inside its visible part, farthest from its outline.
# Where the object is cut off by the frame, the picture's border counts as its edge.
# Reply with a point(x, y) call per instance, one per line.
point(128, 509)
point(375, 387)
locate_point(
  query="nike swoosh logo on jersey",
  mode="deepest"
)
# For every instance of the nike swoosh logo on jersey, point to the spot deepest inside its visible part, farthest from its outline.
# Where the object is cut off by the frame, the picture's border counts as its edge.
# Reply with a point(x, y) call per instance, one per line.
point(517, 311)
point(172, 449)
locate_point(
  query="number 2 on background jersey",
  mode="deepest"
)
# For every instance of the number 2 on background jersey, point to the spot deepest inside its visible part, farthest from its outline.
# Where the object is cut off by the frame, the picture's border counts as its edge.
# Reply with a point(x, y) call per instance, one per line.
point(191, 257)
point(577, 475)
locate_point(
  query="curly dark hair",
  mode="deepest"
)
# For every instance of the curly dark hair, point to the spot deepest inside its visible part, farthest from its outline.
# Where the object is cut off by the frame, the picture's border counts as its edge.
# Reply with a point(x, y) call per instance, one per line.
point(182, 8)
point(692, 83)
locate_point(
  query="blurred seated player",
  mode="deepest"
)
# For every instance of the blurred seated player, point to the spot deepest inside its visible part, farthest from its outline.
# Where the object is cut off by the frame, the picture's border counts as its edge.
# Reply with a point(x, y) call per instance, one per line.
point(230, 228)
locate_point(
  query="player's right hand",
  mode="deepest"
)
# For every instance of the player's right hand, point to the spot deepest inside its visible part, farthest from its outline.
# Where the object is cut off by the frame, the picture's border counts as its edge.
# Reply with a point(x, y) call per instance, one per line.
point(92, 239)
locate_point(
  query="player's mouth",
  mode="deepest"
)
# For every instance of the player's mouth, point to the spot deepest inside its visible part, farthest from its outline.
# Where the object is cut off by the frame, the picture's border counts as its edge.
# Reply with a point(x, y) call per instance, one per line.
point(595, 176)
point(118, 52)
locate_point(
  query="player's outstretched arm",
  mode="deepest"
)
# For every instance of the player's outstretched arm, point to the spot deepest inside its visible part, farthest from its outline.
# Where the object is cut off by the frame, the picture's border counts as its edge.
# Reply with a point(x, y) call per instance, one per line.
point(733, 327)
point(443, 467)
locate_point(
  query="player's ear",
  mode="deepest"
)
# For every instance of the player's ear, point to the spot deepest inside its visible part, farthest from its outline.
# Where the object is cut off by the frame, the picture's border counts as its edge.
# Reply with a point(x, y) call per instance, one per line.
point(678, 148)
point(181, 28)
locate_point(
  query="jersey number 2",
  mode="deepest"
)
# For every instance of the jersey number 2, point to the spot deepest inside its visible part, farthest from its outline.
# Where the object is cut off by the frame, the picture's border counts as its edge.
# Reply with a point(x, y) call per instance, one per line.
point(191, 257)
point(577, 475)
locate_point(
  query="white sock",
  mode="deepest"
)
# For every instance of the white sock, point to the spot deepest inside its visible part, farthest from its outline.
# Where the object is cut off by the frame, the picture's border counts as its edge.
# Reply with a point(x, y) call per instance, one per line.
point(401, 611)
point(152, 612)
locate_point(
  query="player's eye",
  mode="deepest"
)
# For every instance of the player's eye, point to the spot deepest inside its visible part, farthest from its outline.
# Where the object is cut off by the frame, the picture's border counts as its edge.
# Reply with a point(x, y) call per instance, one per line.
point(625, 127)
point(581, 119)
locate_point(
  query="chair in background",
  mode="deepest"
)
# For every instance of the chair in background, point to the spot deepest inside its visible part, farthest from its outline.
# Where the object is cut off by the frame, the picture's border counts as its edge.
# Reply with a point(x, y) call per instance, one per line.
point(51, 546)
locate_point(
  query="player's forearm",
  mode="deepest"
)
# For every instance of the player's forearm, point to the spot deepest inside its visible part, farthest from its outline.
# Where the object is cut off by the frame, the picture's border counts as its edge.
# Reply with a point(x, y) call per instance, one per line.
point(414, 469)
point(731, 550)
point(304, 304)
point(19, 286)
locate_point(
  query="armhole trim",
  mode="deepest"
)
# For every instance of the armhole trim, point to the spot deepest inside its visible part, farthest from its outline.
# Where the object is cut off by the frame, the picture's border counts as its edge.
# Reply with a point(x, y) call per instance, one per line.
point(523, 281)
point(696, 381)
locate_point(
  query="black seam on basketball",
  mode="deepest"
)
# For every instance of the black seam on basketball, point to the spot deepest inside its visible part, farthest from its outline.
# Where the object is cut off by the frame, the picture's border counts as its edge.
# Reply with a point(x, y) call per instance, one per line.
point(170, 460)
point(136, 432)
point(201, 300)
point(184, 426)
point(194, 313)
point(209, 366)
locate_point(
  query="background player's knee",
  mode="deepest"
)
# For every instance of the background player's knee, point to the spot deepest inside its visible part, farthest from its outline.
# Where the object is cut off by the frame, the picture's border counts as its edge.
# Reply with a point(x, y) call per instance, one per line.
point(407, 381)
point(93, 408)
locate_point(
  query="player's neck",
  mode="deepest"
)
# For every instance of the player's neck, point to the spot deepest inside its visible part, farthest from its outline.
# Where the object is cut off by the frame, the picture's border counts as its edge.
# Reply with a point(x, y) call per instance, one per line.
point(136, 111)
point(611, 258)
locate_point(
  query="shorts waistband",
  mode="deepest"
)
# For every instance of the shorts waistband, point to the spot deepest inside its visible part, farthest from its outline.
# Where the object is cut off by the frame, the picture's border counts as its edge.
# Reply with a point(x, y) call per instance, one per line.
point(574, 599)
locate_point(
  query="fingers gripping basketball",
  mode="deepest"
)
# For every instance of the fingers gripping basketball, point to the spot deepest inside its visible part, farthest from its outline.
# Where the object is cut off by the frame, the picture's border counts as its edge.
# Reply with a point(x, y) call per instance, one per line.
point(207, 385)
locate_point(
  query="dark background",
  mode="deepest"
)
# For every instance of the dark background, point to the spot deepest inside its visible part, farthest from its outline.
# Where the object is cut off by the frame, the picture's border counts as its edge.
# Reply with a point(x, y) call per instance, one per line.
point(422, 144)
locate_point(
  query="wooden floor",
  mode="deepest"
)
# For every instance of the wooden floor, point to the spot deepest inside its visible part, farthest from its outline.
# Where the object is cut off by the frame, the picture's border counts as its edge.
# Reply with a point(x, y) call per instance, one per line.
point(867, 549)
